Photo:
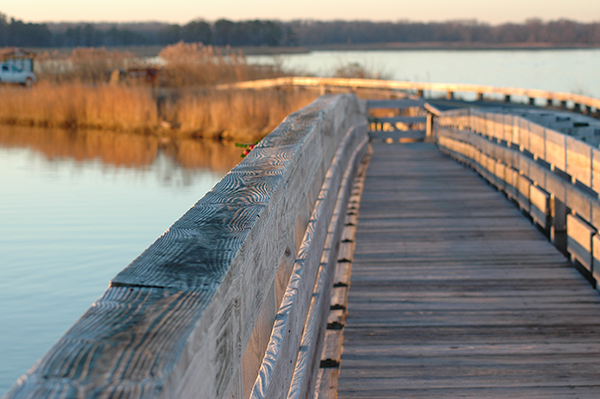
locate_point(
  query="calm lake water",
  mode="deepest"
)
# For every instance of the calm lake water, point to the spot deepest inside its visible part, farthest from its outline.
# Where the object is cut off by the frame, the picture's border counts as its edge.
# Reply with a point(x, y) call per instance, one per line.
point(76, 208)
point(572, 71)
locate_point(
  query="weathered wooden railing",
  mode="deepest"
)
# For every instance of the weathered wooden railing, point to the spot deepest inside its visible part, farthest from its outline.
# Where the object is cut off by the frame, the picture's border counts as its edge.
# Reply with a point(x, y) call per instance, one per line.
point(553, 177)
point(231, 301)
point(579, 102)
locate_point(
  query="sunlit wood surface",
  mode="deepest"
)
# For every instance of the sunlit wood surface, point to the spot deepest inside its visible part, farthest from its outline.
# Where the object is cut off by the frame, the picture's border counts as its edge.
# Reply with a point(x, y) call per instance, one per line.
point(455, 294)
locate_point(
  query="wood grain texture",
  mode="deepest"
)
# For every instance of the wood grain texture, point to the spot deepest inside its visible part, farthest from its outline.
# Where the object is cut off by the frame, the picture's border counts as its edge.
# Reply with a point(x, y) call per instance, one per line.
point(579, 160)
point(279, 361)
point(579, 240)
point(584, 203)
point(304, 382)
point(570, 155)
point(176, 322)
point(455, 294)
point(326, 384)
point(540, 206)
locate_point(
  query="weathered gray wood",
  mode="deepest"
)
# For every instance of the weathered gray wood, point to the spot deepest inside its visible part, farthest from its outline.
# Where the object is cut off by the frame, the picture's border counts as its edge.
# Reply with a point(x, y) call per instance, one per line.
point(540, 206)
point(579, 160)
point(177, 321)
point(565, 153)
point(279, 361)
point(448, 300)
point(257, 344)
point(512, 176)
point(556, 149)
point(500, 175)
point(303, 382)
point(332, 346)
point(579, 240)
point(523, 194)
point(583, 203)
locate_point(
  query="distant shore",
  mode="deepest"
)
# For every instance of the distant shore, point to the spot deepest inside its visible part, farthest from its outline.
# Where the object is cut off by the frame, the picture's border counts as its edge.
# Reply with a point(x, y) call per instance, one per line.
point(153, 51)
point(449, 46)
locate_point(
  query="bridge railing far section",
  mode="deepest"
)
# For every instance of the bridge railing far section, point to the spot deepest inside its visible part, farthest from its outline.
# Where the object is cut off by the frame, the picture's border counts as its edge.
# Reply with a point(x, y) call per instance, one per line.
point(231, 301)
point(577, 101)
point(552, 177)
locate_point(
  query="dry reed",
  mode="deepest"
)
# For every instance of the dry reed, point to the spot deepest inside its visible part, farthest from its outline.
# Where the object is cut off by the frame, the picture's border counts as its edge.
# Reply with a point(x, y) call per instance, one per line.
point(236, 115)
point(77, 105)
point(74, 92)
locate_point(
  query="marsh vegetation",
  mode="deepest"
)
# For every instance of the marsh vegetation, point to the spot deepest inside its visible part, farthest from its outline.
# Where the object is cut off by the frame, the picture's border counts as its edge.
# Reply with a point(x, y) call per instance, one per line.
point(89, 88)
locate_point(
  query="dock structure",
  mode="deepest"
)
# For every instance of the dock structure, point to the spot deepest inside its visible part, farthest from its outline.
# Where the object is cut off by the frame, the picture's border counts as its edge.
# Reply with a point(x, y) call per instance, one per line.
point(454, 293)
point(422, 251)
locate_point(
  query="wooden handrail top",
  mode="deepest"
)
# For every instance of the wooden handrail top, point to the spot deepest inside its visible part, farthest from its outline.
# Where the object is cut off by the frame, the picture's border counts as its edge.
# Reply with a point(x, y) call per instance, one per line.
point(194, 314)
point(416, 86)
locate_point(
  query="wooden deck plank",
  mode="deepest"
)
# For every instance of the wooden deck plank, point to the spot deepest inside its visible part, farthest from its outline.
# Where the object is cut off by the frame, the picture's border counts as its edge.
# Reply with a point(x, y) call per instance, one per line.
point(454, 293)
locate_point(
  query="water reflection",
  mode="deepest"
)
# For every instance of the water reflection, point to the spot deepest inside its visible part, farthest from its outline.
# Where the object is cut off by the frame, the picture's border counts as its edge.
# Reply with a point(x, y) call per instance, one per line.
point(75, 209)
point(121, 149)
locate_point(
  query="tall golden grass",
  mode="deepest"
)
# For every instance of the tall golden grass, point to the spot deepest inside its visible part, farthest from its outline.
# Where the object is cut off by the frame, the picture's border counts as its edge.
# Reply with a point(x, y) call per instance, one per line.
point(234, 115)
point(74, 92)
point(72, 105)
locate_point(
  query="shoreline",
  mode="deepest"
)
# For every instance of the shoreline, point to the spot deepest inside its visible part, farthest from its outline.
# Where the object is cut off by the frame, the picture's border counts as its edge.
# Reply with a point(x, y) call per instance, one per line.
point(450, 46)
point(153, 50)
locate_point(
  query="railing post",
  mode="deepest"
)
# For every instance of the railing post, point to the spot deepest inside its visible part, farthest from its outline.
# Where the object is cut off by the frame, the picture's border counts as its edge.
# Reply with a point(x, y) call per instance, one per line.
point(450, 95)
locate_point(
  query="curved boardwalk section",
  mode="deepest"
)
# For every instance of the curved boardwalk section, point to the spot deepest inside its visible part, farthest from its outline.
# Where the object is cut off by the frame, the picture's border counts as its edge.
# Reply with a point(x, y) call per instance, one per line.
point(455, 294)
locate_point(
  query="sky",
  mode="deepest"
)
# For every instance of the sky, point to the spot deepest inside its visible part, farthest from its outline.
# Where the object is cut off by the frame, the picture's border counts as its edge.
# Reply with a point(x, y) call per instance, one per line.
point(182, 11)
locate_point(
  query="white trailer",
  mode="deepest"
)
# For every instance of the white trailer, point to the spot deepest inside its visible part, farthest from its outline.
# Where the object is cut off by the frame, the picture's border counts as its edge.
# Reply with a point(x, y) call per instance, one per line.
point(16, 66)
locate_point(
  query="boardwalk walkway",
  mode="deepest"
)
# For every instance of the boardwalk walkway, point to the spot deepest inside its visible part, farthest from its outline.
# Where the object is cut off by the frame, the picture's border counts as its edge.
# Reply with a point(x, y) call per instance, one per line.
point(455, 294)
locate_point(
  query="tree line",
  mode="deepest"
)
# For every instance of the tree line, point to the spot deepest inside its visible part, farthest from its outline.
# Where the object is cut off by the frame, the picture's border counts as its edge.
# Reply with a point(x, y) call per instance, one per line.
point(224, 32)
point(364, 32)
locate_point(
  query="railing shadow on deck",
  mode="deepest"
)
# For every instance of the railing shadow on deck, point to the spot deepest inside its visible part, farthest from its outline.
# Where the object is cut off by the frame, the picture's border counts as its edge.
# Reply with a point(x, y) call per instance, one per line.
point(226, 303)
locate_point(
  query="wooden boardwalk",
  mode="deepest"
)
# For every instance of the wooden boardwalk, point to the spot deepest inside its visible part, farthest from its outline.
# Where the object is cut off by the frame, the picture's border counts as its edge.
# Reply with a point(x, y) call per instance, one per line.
point(454, 294)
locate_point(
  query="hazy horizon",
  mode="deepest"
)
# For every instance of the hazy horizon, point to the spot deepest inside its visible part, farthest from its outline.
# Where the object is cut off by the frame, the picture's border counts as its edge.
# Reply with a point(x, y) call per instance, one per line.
point(182, 11)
